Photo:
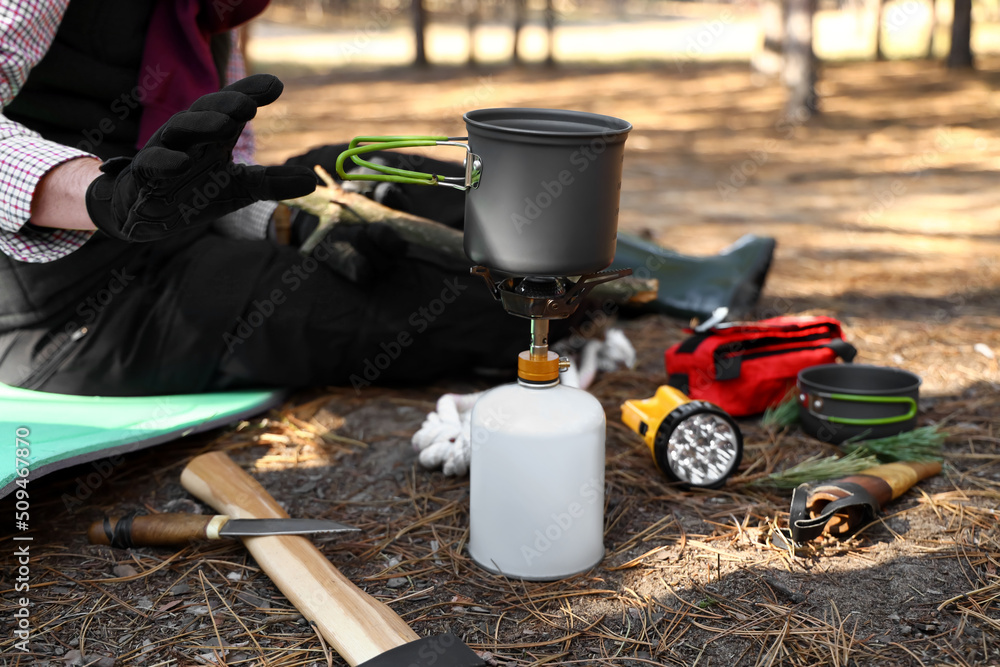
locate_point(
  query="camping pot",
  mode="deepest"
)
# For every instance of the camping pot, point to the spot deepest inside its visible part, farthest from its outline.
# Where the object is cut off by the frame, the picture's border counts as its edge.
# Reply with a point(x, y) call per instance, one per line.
point(842, 401)
point(542, 187)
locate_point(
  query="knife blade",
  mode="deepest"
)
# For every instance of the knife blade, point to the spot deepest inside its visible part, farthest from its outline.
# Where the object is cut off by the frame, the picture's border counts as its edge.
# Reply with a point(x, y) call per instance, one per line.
point(251, 527)
point(176, 529)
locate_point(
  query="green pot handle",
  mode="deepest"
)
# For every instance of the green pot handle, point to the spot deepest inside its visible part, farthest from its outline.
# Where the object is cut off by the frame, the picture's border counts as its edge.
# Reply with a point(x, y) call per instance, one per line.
point(866, 399)
point(361, 145)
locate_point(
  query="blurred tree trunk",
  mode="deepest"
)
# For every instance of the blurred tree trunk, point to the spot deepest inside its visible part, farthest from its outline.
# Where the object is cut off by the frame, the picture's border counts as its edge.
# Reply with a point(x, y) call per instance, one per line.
point(800, 61)
point(520, 7)
point(550, 29)
point(419, 29)
point(960, 52)
point(879, 15)
point(930, 38)
point(473, 13)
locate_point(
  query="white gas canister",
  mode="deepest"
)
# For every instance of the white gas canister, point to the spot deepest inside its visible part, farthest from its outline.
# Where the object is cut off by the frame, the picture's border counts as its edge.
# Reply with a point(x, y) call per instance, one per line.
point(537, 481)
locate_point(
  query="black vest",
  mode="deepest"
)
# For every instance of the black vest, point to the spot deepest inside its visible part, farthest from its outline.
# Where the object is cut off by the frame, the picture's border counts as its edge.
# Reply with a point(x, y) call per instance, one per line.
point(84, 93)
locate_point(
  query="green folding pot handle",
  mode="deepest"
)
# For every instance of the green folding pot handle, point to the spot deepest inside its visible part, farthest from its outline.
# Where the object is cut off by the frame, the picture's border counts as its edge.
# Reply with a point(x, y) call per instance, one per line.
point(871, 421)
point(362, 145)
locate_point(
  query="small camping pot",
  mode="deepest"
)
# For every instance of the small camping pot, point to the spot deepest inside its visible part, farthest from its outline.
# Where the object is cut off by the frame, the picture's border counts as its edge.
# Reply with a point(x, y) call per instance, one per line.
point(543, 187)
point(842, 401)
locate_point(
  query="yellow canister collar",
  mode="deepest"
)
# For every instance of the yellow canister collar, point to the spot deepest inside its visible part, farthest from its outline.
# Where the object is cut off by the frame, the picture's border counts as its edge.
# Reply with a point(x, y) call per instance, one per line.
point(538, 370)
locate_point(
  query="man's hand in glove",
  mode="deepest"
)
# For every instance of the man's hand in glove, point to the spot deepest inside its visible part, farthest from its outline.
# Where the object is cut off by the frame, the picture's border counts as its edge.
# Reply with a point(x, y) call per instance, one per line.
point(185, 175)
point(360, 251)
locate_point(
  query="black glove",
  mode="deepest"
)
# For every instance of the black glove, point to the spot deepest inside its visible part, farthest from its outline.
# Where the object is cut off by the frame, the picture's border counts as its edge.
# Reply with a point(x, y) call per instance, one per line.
point(185, 176)
point(360, 251)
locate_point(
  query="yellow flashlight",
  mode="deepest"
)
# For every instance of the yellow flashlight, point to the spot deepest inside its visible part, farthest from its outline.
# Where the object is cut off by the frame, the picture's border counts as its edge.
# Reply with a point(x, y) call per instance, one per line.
point(695, 443)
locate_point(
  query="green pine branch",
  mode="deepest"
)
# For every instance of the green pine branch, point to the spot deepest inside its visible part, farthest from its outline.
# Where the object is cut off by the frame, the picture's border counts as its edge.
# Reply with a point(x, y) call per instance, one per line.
point(920, 444)
point(817, 469)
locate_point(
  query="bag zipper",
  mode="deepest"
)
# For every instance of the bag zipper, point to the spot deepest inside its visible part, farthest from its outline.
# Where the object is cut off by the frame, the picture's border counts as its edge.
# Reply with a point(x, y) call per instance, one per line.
point(692, 343)
point(744, 328)
point(43, 372)
point(771, 353)
point(729, 350)
point(729, 368)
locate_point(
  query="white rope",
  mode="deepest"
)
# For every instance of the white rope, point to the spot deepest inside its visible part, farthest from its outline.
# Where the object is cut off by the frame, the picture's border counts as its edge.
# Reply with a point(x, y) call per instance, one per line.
point(444, 438)
point(598, 355)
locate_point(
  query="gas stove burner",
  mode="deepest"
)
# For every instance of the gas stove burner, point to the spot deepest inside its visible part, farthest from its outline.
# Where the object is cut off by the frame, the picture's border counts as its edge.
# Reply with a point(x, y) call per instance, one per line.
point(544, 297)
point(541, 287)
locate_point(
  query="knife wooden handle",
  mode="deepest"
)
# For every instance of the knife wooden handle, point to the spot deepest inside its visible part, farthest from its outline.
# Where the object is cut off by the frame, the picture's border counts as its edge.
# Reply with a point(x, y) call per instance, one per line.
point(357, 625)
point(156, 529)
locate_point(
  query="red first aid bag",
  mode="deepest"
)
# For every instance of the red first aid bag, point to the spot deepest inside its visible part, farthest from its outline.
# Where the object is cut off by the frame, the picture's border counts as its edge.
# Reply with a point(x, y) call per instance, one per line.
point(747, 367)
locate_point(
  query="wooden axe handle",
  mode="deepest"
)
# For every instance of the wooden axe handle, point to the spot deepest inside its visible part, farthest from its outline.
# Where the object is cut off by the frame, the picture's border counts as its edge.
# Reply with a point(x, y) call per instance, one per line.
point(358, 626)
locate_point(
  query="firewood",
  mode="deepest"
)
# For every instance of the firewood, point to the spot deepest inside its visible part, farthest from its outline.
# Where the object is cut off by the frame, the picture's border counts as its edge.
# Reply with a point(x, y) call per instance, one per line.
point(333, 204)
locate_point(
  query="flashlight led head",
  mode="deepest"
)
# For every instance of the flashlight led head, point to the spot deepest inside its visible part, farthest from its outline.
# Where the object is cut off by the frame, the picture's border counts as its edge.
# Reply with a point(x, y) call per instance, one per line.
point(698, 444)
point(695, 443)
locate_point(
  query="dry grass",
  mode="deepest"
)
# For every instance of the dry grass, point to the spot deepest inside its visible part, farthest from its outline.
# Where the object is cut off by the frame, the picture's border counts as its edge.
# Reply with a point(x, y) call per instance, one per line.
point(690, 578)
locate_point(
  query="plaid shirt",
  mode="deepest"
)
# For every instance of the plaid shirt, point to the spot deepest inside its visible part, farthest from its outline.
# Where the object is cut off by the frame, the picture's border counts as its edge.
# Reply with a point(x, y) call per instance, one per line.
point(27, 28)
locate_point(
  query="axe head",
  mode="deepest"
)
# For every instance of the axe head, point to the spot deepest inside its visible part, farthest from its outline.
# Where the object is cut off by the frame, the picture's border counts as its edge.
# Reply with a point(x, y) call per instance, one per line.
point(445, 650)
point(839, 507)
point(844, 506)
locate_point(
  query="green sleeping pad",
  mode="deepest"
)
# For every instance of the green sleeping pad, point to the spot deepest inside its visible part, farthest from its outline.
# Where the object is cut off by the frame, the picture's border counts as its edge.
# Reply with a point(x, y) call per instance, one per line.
point(60, 430)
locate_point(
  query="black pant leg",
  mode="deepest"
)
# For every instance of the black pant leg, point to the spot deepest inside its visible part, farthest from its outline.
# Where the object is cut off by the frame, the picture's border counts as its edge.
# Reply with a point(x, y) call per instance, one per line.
point(218, 313)
point(152, 324)
point(415, 323)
